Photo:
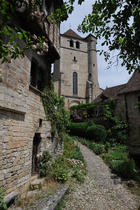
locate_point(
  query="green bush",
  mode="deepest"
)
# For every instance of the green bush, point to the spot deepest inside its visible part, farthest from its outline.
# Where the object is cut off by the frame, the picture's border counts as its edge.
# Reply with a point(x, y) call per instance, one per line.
point(125, 169)
point(78, 129)
point(78, 175)
point(60, 174)
point(97, 148)
point(71, 150)
point(44, 166)
point(96, 133)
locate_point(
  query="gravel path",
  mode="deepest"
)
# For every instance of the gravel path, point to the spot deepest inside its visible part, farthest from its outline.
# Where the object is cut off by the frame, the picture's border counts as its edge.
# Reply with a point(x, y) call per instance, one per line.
point(101, 189)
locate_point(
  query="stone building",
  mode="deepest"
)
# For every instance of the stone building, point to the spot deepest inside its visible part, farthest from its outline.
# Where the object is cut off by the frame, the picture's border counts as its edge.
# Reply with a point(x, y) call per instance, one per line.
point(75, 74)
point(127, 97)
point(24, 130)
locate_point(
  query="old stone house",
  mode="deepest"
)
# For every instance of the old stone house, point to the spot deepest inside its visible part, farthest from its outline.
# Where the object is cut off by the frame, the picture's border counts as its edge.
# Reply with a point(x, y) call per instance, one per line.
point(24, 130)
point(76, 75)
point(127, 97)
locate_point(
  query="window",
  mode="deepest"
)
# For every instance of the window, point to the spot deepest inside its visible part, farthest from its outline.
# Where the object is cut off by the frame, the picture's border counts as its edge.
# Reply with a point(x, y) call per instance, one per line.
point(75, 83)
point(77, 45)
point(74, 59)
point(71, 43)
point(36, 76)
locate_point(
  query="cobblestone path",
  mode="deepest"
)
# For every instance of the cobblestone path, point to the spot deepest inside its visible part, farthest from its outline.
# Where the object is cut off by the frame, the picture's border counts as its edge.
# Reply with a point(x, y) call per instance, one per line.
point(101, 190)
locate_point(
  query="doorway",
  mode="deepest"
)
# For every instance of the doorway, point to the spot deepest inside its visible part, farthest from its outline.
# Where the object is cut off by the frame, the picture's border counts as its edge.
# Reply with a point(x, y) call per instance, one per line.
point(35, 152)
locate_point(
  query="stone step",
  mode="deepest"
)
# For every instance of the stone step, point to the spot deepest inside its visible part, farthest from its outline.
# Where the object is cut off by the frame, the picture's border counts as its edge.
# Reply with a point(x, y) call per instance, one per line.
point(36, 184)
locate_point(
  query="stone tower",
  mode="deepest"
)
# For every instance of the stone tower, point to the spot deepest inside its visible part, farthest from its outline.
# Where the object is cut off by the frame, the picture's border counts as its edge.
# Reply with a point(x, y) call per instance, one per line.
point(75, 74)
point(92, 83)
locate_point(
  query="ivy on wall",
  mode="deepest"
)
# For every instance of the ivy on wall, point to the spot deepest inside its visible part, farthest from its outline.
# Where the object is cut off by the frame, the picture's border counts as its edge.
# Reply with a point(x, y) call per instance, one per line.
point(55, 111)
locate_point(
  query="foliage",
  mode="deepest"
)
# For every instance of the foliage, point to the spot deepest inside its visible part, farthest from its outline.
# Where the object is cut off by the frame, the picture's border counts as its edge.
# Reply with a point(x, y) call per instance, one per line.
point(55, 111)
point(118, 23)
point(120, 163)
point(2, 204)
point(78, 129)
point(13, 14)
point(10, 32)
point(71, 150)
point(116, 156)
point(70, 164)
point(96, 132)
point(60, 174)
point(78, 175)
point(97, 148)
point(124, 169)
point(88, 130)
point(104, 115)
point(116, 129)
point(44, 166)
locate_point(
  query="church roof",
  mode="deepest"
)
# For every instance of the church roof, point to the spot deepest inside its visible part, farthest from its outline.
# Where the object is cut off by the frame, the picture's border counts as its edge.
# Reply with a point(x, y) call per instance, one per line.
point(72, 34)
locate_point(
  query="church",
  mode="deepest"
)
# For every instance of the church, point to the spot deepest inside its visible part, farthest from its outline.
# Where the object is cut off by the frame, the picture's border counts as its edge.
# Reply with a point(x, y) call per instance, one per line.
point(75, 73)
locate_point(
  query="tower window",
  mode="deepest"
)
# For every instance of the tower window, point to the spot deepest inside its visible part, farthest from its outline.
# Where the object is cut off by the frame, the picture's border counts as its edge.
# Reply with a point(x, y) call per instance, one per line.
point(71, 43)
point(77, 45)
point(75, 83)
point(74, 59)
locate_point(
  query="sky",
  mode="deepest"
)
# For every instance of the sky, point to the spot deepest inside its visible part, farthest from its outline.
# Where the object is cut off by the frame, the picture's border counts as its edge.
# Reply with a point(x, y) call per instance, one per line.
point(116, 75)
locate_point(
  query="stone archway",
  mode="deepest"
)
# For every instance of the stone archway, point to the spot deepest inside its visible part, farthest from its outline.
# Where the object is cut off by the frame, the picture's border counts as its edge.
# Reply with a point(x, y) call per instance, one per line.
point(35, 152)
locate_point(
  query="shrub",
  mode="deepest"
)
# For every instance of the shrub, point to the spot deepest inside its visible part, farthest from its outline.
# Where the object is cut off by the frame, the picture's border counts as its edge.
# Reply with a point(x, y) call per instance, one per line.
point(78, 129)
point(44, 166)
point(78, 175)
point(96, 132)
point(71, 150)
point(60, 174)
point(125, 169)
point(97, 148)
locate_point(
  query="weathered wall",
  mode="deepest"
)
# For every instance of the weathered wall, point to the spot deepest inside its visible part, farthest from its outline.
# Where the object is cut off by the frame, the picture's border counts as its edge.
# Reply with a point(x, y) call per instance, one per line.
point(134, 123)
point(20, 111)
point(128, 111)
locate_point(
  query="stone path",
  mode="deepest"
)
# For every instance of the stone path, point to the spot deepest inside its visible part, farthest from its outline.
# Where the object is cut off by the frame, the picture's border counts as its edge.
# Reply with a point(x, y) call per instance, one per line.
point(101, 190)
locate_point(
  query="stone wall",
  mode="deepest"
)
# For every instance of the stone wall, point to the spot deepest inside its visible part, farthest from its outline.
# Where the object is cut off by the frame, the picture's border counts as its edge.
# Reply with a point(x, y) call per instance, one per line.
point(21, 117)
point(128, 111)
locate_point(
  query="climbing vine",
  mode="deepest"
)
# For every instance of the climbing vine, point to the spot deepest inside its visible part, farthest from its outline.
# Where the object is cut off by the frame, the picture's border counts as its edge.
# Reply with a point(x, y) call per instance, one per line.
point(55, 111)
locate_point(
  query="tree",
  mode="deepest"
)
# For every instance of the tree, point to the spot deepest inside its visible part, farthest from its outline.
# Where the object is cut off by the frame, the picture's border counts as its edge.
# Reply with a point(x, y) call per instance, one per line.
point(118, 22)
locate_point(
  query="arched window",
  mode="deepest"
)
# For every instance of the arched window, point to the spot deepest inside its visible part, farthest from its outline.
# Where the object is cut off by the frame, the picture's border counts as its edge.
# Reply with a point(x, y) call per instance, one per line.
point(77, 44)
point(71, 43)
point(75, 83)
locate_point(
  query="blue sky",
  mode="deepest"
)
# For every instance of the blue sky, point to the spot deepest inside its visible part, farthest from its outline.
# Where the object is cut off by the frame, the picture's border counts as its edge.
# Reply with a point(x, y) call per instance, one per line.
point(106, 77)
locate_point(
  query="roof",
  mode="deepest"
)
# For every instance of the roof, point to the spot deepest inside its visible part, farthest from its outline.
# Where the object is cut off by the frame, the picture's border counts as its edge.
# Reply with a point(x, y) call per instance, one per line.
point(108, 93)
point(133, 84)
point(112, 92)
point(72, 34)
